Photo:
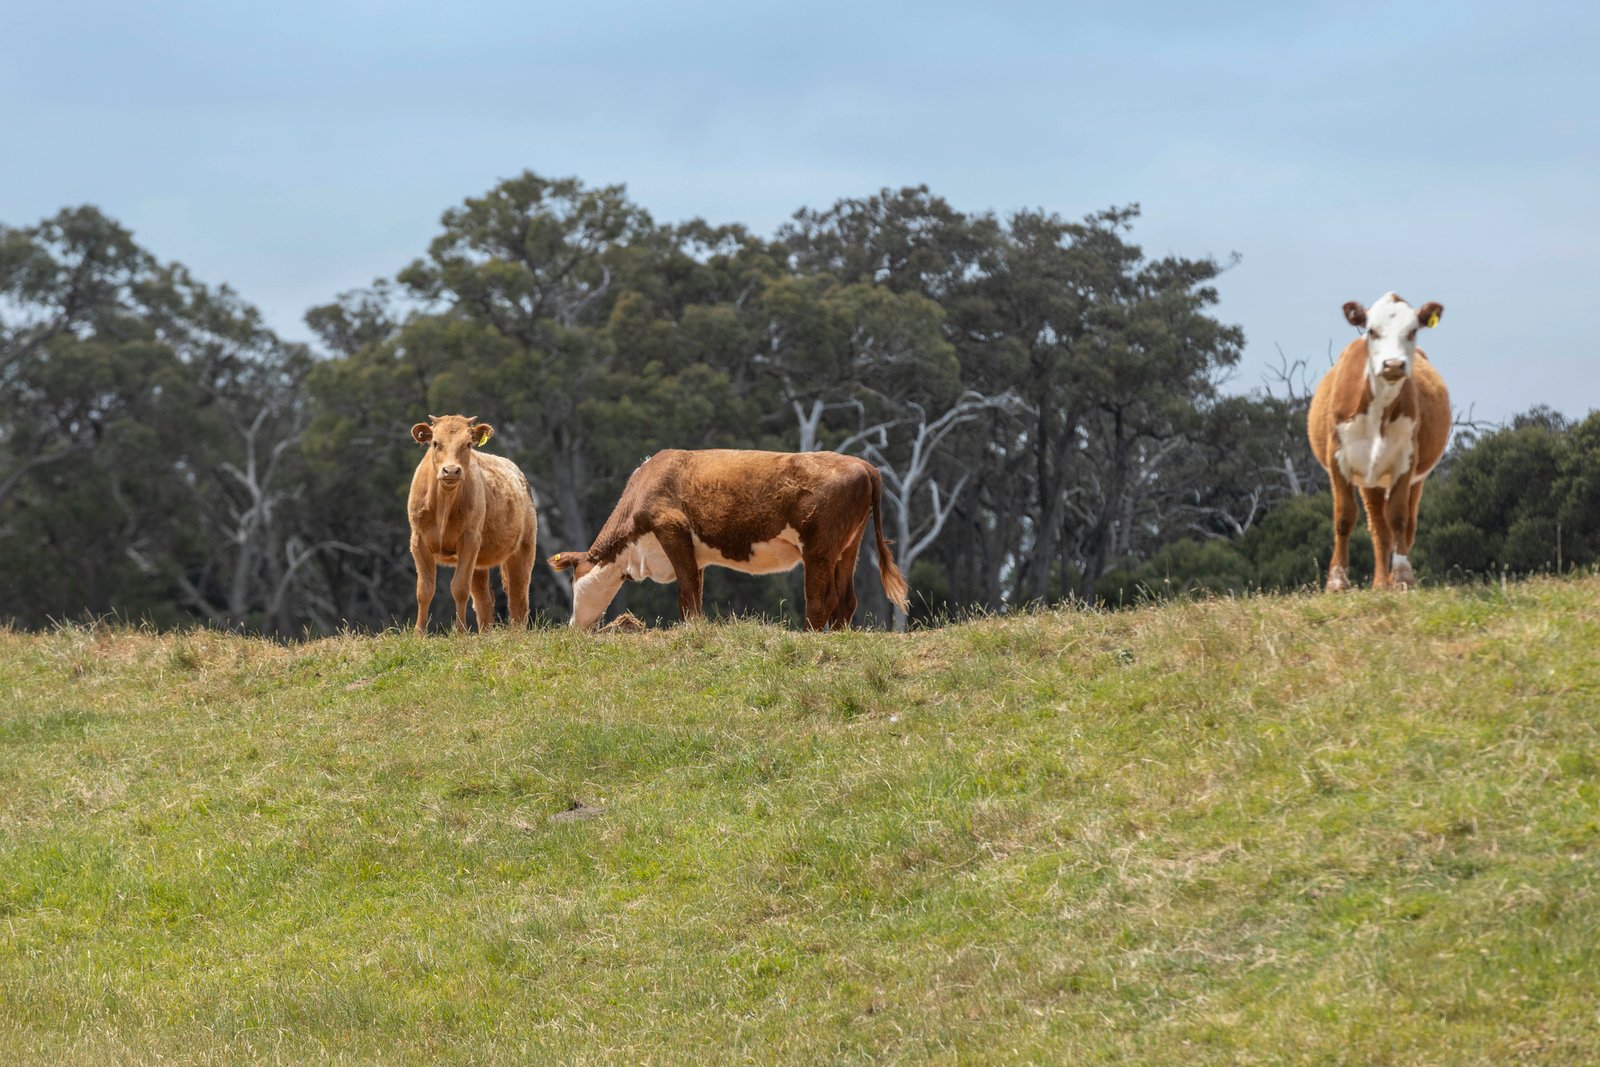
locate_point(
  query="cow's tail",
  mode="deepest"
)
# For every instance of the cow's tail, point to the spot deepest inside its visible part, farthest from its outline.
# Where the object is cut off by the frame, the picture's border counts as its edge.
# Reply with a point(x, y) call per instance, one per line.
point(894, 586)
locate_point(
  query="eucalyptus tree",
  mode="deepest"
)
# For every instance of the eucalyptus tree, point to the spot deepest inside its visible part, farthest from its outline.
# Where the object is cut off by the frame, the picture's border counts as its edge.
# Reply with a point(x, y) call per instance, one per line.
point(137, 407)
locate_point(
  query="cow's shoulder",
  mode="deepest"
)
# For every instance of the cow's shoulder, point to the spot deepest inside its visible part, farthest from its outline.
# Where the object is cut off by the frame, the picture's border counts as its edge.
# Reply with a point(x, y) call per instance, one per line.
point(501, 479)
point(1349, 392)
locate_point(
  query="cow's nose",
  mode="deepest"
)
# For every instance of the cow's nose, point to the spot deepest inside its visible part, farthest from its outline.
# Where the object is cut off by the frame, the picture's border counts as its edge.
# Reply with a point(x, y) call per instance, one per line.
point(1394, 368)
point(450, 470)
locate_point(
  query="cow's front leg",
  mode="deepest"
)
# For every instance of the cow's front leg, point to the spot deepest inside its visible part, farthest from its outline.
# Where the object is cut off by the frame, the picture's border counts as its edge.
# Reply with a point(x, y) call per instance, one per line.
point(426, 579)
point(1377, 502)
point(1402, 528)
point(678, 543)
point(461, 580)
point(1344, 520)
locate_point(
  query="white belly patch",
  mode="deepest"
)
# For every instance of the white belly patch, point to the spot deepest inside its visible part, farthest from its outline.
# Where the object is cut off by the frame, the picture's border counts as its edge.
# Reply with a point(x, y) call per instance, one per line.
point(782, 553)
point(1374, 458)
point(645, 558)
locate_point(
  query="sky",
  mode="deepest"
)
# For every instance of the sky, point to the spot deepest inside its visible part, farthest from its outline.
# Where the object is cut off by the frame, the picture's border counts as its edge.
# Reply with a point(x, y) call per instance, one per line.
point(295, 150)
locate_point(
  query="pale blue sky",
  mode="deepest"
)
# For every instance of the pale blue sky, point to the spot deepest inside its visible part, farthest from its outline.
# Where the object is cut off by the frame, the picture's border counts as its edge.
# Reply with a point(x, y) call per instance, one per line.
point(293, 150)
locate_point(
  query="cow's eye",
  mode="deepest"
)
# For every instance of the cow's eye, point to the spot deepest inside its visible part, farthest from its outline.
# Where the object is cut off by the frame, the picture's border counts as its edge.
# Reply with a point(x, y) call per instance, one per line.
point(1412, 336)
point(1373, 335)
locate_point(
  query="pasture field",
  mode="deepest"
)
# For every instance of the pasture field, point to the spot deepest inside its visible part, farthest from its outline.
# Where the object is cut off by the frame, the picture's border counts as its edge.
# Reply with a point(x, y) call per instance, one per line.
point(1324, 829)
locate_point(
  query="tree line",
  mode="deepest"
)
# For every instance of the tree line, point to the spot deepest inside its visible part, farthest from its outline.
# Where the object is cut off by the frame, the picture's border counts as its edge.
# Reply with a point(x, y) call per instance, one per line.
point(1044, 400)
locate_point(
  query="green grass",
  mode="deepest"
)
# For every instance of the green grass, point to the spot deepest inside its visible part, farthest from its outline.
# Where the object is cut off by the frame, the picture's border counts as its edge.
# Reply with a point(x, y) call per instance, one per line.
point(1344, 829)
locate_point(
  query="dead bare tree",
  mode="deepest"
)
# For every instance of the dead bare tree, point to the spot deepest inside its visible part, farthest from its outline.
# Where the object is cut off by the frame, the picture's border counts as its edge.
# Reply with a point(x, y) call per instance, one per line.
point(909, 476)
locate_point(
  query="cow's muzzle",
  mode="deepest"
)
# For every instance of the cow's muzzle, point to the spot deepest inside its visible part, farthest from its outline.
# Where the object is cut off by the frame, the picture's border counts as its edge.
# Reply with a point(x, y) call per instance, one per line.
point(1393, 370)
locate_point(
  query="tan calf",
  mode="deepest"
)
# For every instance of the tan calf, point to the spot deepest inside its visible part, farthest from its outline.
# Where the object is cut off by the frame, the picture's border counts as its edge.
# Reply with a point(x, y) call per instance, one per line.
point(1379, 421)
point(472, 511)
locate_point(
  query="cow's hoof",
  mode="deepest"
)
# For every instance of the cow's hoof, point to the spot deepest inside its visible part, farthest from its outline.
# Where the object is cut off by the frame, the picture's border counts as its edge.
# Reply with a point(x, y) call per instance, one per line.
point(1404, 577)
point(1338, 580)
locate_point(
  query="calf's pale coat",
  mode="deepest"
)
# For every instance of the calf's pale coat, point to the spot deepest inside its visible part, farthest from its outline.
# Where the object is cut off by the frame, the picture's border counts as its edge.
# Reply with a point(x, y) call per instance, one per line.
point(472, 511)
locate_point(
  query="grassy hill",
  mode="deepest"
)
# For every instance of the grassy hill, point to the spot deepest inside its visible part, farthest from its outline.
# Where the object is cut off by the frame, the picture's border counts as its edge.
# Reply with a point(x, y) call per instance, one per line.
point(1358, 828)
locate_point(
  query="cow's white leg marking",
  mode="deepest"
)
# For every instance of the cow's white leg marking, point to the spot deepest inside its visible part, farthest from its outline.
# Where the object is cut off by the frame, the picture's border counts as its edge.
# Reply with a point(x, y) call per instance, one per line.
point(1403, 575)
point(1338, 579)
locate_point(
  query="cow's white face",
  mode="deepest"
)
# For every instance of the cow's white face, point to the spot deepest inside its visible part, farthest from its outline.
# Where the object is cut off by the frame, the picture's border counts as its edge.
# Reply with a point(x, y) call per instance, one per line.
point(1391, 326)
point(450, 440)
point(594, 585)
point(593, 593)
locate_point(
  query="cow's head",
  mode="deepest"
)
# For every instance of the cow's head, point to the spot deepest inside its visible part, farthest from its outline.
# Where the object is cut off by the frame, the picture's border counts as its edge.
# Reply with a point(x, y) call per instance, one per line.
point(1391, 326)
point(450, 440)
point(593, 585)
point(576, 562)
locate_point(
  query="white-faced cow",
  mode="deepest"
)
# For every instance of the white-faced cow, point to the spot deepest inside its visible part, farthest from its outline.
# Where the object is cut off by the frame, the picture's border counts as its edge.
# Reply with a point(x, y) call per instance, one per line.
point(1379, 422)
point(472, 511)
point(758, 512)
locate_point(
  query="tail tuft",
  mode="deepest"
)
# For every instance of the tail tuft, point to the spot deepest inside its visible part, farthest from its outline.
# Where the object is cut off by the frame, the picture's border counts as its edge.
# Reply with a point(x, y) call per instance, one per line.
point(894, 584)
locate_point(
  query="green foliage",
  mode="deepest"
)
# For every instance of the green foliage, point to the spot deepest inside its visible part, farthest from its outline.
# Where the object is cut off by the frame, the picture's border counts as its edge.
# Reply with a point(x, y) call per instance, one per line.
point(1183, 567)
point(1288, 550)
point(1522, 499)
point(136, 404)
point(1293, 544)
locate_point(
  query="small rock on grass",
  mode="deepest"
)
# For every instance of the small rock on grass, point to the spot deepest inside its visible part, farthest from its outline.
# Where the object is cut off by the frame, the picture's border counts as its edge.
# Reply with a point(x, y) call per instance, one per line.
point(576, 810)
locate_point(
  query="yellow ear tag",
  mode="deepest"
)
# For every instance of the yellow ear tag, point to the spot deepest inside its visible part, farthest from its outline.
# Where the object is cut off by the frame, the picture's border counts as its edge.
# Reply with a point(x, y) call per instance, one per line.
point(1433, 320)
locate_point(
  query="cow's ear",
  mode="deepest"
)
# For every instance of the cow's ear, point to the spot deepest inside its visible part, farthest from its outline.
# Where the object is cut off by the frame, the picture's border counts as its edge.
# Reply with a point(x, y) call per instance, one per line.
point(563, 561)
point(1355, 314)
point(422, 433)
point(1428, 314)
point(481, 434)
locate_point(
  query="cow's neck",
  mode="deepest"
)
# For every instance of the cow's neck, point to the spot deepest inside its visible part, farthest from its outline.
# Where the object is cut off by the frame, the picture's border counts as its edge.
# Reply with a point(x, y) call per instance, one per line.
point(447, 500)
point(1383, 397)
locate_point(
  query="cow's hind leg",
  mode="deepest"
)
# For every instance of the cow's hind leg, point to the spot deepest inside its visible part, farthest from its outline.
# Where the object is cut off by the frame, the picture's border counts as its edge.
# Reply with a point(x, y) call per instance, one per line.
point(844, 584)
point(844, 594)
point(516, 574)
point(1344, 520)
point(482, 599)
point(819, 582)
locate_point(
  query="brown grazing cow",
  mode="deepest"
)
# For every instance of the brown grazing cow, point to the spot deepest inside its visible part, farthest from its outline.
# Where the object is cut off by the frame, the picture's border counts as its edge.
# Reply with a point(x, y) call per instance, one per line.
point(471, 511)
point(1379, 422)
point(758, 512)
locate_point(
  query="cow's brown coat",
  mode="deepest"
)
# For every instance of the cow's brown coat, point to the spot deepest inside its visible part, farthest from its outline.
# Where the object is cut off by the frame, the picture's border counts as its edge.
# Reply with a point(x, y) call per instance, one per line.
point(1344, 393)
point(738, 504)
point(485, 518)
